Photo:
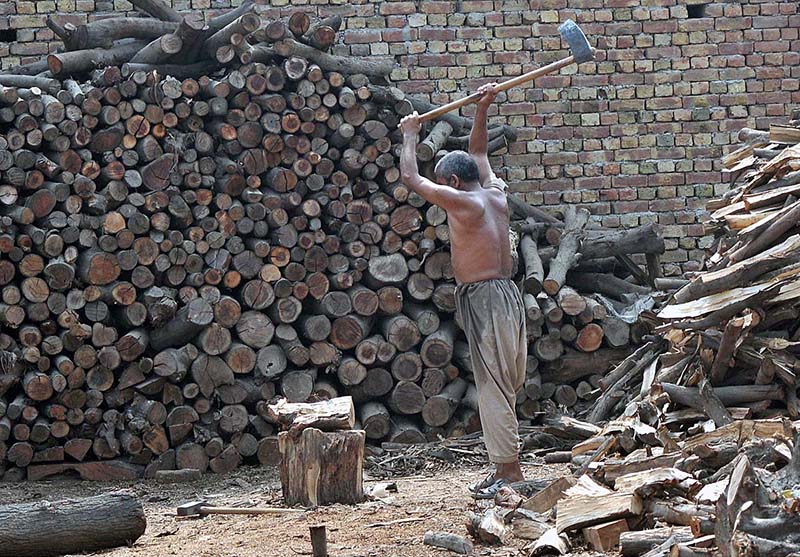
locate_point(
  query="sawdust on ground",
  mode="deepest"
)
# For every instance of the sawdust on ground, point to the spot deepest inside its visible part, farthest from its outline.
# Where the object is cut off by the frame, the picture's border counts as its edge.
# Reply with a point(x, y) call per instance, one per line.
point(439, 500)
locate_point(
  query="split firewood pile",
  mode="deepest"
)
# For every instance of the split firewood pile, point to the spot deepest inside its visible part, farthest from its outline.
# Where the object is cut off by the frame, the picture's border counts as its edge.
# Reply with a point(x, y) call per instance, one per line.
point(736, 323)
point(197, 216)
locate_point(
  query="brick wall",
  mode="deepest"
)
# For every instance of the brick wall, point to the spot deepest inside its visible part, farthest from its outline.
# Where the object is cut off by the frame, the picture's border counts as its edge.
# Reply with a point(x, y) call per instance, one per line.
point(635, 136)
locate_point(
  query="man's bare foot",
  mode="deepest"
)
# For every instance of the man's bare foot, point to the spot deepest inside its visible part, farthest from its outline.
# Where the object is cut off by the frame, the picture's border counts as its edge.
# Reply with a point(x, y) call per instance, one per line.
point(510, 472)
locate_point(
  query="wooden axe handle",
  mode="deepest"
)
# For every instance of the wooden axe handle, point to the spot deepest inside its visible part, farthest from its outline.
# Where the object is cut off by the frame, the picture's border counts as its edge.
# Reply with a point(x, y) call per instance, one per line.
point(246, 510)
point(519, 80)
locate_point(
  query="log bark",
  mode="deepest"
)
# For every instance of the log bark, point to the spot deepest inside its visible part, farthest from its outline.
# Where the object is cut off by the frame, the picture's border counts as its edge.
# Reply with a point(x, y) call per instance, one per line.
point(157, 9)
point(729, 396)
point(376, 66)
point(72, 526)
point(79, 61)
point(451, 542)
point(440, 408)
point(320, 468)
point(574, 222)
point(635, 543)
point(102, 33)
point(534, 272)
point(188, 321)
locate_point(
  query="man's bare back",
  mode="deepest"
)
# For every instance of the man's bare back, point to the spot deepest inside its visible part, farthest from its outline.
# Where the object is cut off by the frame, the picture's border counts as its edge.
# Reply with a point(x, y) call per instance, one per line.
point(479, 244)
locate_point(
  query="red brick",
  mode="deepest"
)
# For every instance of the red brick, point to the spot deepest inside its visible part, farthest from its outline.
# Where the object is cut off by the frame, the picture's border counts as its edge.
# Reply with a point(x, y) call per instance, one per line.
point(362, 36)
point(627, 181)
point(470, 6)
point(398, 8)
point(473, 33)
point(665, 26)
point(399, 35)
point(596, 183)
point(730, 23)
point(703, 177)
point(559, 158)
point(622, 207)
point(626, 105)
point(772, 46)
point(436, 34)
point(429, 60)
point(663, 103)
point(664, 205)
point(550, 133)
point(416, 86)
point(494, 19)
point(583, 4)
point(516, 108)
point(511, 31)
point(592, 132)
point(511, 57)
point(436, 7)
point(699, 50)
point(666, 179)
point(582, 80)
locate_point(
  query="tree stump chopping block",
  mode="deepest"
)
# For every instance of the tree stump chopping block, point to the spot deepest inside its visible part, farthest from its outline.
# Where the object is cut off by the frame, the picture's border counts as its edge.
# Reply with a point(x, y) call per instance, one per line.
point(319, 468)
point(60, 527)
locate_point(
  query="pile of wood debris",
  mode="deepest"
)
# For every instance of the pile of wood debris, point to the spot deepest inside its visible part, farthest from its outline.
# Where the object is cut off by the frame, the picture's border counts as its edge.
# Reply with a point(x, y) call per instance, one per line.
point(731, 491)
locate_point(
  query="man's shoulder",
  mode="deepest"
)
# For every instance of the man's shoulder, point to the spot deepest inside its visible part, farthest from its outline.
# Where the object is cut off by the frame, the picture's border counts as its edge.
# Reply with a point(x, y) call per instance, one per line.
point(495, 183)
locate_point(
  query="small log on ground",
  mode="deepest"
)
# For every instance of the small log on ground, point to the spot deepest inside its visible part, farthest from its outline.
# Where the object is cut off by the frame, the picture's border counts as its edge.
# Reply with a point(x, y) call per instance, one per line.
point(452, 542)
point(70, 526)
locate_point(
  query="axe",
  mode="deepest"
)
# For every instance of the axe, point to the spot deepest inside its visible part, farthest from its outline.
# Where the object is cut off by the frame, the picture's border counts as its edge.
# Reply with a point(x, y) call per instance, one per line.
point(201, 509)
point(581, 50)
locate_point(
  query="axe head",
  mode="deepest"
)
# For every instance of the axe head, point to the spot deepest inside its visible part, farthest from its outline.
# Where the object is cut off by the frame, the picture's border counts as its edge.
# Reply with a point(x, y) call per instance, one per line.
point(579, 46)
point(191, 509)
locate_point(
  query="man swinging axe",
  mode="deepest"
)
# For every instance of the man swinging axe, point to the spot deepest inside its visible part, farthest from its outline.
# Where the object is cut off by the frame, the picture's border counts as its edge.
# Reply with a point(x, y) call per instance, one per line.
point(489, 305)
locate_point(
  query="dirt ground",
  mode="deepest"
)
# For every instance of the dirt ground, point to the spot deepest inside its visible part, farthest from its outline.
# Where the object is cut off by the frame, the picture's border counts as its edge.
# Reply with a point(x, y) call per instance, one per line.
point(436, 500)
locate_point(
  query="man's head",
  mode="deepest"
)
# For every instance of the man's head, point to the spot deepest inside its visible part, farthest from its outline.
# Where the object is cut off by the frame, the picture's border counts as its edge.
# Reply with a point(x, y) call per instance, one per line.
point(457, 169)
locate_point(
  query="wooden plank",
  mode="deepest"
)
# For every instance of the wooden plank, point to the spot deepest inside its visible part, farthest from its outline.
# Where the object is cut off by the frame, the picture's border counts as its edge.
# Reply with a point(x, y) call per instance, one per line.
point(657, 478)
point(614, 469)
point(743, 430)
point(547, 498)
point(605, 537)
point(580, 511)
point(586, 486)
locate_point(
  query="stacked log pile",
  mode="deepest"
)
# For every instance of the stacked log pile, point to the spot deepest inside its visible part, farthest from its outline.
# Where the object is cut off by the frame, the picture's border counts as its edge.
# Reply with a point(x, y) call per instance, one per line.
point(198, 216)
point(579, 283)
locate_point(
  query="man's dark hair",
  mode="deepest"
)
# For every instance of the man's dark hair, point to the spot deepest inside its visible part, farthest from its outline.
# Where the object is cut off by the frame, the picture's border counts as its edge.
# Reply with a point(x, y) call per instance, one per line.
point(459, 163)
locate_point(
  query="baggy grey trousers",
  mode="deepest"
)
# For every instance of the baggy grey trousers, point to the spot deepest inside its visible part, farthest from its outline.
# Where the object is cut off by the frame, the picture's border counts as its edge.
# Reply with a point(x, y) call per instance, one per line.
point(492, 314)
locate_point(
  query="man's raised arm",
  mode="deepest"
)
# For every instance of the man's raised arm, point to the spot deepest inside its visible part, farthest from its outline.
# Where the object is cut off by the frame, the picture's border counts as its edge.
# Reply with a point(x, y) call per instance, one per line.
point(443, 196)
point(478, 137)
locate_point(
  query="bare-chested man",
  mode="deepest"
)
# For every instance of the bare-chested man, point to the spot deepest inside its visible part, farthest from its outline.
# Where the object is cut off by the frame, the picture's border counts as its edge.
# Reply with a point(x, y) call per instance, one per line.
point(489, 305)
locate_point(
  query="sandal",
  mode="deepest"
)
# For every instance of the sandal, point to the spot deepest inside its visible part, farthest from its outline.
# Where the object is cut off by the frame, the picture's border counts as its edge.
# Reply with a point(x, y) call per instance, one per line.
point(483, 484)
point(490, 491)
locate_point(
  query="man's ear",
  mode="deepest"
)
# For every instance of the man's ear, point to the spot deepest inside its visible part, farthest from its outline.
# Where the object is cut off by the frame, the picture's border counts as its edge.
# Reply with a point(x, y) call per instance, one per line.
point(454, 182)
